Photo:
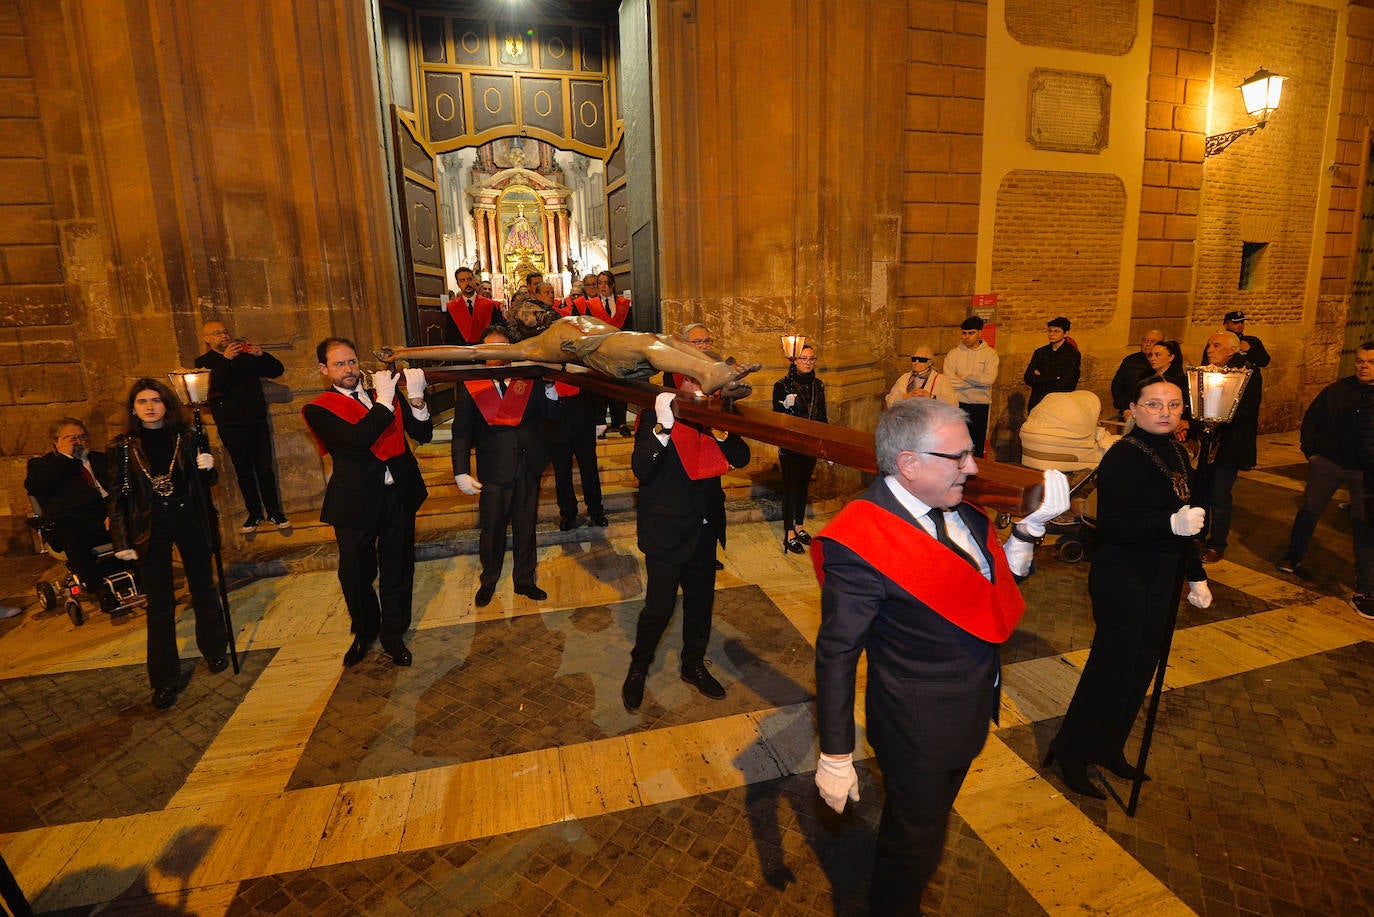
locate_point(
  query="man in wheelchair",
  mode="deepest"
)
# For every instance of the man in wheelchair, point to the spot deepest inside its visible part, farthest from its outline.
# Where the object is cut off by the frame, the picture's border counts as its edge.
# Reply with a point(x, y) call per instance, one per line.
point(70, 486)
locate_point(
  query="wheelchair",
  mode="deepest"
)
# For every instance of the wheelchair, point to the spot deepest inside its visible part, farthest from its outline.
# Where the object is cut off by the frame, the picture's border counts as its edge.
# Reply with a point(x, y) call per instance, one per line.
point(117, 593)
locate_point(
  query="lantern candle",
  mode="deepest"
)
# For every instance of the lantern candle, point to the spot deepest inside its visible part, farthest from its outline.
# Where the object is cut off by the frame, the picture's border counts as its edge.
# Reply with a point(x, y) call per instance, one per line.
point(1212, 385)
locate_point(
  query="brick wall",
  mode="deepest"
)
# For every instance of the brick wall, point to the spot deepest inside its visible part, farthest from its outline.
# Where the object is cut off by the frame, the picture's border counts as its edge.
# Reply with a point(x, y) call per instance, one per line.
point(947, 45)
point(1101, 27)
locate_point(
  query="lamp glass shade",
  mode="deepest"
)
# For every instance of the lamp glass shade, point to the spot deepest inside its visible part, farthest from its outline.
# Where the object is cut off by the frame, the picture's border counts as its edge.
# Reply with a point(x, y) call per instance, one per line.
point(792, 345)
point(191, 385)
point(1261, 93)
point(1214, 392)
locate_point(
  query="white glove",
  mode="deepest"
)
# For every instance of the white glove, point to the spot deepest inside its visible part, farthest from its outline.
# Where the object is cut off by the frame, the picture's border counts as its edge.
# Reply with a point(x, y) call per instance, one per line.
point(663, 408)
point(1199, 595)
point(550, 391)
point(385, 381)
point(127, 554)
point(205, 461)
point(789, 401)
point(1188, 521)
point(415, 381)
point(468, 484)
point(836, 780)
point(1019, 554)
point(1056, 503)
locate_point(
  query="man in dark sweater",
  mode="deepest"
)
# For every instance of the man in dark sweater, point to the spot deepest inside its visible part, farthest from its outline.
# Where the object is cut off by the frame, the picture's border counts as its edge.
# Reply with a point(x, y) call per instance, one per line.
point(1054, 367)
point(1330, 439)
point(1133, 368)
point(237, 368)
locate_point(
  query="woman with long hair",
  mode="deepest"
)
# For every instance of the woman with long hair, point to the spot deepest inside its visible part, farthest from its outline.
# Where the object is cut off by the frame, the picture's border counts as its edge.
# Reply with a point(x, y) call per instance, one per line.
point(799, 394)
point(160, 498)
point(1146, 524)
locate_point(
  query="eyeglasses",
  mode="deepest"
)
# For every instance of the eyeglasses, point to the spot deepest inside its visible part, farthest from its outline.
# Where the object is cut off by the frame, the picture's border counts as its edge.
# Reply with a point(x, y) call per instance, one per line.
point(699, 341)
point(1159, 407)
point(920, 359)
point(957, 458)
point(806, 359)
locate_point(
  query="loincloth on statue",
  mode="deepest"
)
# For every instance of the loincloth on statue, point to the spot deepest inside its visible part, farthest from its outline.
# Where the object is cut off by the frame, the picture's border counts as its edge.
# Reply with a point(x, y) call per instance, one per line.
point(586, 350)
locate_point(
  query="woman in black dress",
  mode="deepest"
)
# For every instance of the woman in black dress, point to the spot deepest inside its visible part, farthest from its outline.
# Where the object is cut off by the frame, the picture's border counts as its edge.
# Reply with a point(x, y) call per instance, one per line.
point(160, 499)
point(800, 394)
point(1146, 526)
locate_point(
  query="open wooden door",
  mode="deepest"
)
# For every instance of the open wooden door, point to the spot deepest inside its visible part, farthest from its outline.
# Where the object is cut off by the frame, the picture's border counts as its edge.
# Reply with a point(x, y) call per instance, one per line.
point(422, 233)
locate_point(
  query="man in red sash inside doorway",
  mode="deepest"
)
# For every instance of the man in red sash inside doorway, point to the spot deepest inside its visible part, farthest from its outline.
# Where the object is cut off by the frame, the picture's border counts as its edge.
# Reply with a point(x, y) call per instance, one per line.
point(470, 313)
point(373, 493)
point(915, 576)
point(500, 418)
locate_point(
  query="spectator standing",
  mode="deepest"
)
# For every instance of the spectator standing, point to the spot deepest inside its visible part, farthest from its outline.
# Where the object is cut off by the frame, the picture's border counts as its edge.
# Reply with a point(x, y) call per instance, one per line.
point(972, 369)
point(798, 394)
point(1133, 368)
point(1055, 366)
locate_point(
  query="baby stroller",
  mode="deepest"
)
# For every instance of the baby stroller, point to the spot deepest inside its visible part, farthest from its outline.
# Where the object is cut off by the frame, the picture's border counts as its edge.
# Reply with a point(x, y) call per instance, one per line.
point(117, 593)
point(1062, 433)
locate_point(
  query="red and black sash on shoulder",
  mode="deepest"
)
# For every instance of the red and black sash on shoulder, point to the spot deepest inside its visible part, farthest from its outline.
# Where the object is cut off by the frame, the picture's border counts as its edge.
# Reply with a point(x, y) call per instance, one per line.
point(471, 325)
point(595, 307)
point(934, 575)
point(697, 449)
point(497, 410)
point(390, 444)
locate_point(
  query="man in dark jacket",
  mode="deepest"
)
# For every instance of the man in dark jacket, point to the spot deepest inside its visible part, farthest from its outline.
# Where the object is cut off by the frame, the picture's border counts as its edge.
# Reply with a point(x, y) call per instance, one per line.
point(500, 419)
point(71, 485)
point(373, 493)
point(237, 368)
point(1236, 444)
point(1133, 368)
point(681, 518)
point(1054, 367)
point(1250, 346)
point(1331, 429)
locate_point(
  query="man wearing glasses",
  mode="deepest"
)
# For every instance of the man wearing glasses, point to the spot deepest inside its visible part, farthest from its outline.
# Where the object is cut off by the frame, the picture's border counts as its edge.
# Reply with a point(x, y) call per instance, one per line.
point(69, 484)
point(922, 381)
point(914, 577)
point(1133, 368)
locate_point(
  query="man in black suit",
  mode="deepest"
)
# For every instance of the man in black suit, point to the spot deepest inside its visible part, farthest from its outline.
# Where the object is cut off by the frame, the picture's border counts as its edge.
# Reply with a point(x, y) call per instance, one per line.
point(237, 368)
point(1237, 442)
point(373, 493)
point(915, 577)
point(681, 517)
point(69, 484)
point(501, 419)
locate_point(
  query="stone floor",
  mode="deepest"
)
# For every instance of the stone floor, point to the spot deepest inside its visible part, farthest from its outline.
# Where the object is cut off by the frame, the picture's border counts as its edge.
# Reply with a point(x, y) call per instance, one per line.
point(501, 775)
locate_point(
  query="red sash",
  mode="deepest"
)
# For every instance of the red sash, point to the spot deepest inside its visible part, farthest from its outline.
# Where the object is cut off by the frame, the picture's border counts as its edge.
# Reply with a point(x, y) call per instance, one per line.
point(471, 326)
point(497, 410)
point(595, 307)
point(940, 579)
point(565, 390)
point(390, 444)
point(697, 449)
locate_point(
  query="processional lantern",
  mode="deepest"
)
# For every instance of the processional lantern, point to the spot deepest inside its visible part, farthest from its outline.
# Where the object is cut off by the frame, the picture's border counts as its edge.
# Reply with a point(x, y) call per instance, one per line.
point(1214, 392)
point(191, 385)
point(792, 345)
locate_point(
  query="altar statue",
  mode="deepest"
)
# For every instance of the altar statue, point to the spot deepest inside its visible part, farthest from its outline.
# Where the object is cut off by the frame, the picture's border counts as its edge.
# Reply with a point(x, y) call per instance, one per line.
point(582, 339)
point(521, 236)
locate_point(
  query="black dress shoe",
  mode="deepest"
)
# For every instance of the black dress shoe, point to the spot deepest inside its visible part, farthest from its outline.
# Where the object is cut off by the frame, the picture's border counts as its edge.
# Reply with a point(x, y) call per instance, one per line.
point(599, 520)
point(400, 654)
point(803, 536)
point(695, 674)
point(720, 566)
point(532, 592)
point(484, 595)
point(792, 544)
point(218, 664)
point(164, 697)
point(567, 525)
point(1125, 769)
point(1075, 774)
point(632, 691)
point(357, 651)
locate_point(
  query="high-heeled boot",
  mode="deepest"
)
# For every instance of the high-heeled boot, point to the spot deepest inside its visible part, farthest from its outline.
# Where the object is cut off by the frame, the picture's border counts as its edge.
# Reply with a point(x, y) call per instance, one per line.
point(1125, 769)
point(1075, 775)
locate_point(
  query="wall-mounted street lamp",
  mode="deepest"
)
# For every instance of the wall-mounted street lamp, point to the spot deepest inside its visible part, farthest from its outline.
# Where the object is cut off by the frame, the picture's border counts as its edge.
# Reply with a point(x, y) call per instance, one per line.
point(1261, 94)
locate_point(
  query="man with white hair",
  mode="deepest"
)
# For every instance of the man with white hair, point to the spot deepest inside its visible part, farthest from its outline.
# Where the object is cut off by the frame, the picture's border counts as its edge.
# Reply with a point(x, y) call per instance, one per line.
point(1236, 444)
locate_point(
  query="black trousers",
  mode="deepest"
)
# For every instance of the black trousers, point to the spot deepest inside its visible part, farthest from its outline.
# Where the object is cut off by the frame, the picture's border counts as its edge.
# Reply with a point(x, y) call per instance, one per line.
point(250, 449)
point(79, 539)
point(580, 445)
point(796, 480)
point(977, 425)
point(177, 522)
point(697, 579)
point(911, 834)
point(515, 504)
point(1131, 592)
point(385, 552)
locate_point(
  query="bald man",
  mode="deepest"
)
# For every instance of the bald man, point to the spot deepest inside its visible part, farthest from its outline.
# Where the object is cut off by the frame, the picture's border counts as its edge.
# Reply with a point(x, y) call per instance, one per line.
point(1133, 368)
point(1236, 444)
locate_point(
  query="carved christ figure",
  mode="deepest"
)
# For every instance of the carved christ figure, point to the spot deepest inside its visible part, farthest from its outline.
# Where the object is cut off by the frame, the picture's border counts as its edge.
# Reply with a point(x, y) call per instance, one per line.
point(590, 342)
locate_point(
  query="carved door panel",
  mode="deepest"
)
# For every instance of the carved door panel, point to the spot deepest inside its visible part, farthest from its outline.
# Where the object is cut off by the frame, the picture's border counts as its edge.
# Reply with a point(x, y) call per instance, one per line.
point(618, 220)
point(422, 233)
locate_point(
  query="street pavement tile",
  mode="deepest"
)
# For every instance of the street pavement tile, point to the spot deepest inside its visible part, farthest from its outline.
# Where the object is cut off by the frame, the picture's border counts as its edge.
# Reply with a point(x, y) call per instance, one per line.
point(538, 681)
point(770, 849)
point(1260, 801)
point(85, 745)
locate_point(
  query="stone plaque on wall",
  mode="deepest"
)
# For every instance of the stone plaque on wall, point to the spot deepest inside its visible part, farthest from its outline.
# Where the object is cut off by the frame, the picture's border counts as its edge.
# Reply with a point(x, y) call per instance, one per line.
point(1101, 27)
point(1068, 112)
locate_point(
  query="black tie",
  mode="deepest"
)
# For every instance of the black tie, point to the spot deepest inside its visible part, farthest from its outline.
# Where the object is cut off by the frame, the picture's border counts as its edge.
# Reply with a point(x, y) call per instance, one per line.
point(501, 387)
point(357, 397)
point(937, 516)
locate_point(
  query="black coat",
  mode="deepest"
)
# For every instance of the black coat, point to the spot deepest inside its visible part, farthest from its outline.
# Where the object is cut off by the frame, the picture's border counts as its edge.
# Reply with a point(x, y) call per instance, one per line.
point(1052, 370)
point(1133, 368)
point(357, 472)
point(236, 385)
point(671, 505)
point(1236, 441)
point(131, 493)
point(1135, 499)
point(62, 492)
point(498, 448)
point(1332, 423)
